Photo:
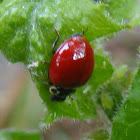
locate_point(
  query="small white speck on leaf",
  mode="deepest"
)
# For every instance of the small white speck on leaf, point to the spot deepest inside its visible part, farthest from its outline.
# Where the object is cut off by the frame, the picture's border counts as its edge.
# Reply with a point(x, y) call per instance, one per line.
point(104, 64)
point(34, 64)
point(87, 89)
point(72, 29)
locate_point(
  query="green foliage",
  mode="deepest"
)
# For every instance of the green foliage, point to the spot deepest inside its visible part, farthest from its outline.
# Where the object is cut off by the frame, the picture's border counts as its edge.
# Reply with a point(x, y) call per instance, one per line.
point(27, 34)
point(126, 123)
point(136, 19)
point(110, 95)
point(123, 9)
point(99, 135)
point(82, 104)
point(19, 135)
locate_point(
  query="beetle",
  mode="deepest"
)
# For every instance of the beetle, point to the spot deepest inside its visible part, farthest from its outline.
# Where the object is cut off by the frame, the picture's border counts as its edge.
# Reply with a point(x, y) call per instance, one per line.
point(71, 66)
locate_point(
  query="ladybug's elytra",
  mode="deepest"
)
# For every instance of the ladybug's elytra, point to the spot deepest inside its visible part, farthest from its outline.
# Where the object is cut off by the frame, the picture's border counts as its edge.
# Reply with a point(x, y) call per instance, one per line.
point(71, 66)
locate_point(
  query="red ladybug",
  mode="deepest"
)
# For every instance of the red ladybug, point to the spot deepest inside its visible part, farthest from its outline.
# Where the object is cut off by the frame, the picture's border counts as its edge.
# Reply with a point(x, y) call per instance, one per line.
point(71, 66)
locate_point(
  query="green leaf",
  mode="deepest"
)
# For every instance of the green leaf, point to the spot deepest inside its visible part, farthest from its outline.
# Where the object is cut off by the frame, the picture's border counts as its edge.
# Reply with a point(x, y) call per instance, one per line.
point(18, 135)
point(123, 9)
point(126, 123)
point(110, 95)
point(82, 105)
point(119, 72)
point(136, 19)
point(99, 135)
point(27, 33)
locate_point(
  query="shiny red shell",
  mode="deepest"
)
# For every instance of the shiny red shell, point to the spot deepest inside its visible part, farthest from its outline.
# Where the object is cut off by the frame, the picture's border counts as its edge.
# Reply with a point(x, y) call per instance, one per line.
point(72, 63)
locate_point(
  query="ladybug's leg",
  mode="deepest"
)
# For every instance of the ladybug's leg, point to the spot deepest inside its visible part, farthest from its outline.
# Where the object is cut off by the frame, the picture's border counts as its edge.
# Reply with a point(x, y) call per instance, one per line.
point(44, 82)
point(55, 42)
point(84, 31)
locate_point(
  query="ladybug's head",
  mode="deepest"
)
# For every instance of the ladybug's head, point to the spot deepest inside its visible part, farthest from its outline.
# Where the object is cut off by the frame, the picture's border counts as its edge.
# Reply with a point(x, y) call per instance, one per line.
point(59, 94)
